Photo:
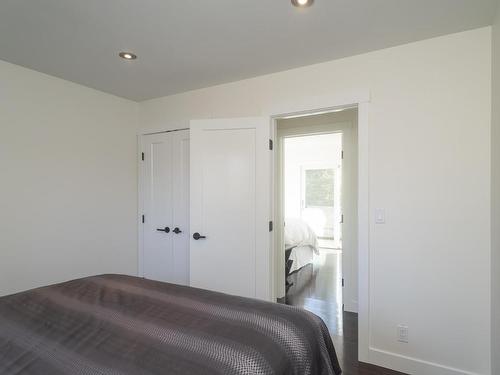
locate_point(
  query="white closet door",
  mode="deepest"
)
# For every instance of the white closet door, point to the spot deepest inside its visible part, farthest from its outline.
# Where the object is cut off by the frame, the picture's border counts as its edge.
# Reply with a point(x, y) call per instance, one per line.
point(166, 207)
point(158, 200)
point(230, 206)
point(180, 230)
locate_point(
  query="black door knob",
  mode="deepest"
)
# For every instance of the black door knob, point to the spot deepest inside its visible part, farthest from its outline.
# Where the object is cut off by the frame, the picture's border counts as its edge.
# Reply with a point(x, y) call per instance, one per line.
point(177, 230)
point(198, 236)
point(166, 230)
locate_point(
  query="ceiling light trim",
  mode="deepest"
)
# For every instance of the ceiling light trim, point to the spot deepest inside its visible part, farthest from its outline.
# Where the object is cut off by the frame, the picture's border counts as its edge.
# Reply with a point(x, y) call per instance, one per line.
point(129, 56)
point(302, 3)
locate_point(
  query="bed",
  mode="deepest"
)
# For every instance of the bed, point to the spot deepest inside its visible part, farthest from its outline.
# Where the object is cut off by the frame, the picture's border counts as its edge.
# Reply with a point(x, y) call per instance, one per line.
point(301, 244)
point(115, 324)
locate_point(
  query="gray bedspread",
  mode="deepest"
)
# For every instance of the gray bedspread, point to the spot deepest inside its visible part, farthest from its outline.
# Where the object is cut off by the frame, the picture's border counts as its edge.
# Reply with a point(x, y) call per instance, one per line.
point(115, 324)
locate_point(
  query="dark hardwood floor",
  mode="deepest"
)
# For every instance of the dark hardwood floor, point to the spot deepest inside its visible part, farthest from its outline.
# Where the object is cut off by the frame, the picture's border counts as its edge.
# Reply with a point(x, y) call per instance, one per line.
point(318, 289)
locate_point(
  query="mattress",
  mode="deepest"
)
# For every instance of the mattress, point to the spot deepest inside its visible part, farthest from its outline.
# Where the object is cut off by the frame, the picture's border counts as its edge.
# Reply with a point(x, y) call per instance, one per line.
point(115, 324)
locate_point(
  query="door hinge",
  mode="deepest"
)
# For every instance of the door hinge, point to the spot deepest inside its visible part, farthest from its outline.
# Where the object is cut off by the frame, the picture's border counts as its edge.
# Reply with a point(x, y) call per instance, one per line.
point(143, 219)
point(342, 282)
point(270, 226)
point(342, 219)
point(271, 144)
point(142, 156)
point(342, 154)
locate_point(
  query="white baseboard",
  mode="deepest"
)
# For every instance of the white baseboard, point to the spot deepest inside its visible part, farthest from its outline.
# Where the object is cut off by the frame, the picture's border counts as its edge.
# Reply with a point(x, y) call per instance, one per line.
point(410, 365)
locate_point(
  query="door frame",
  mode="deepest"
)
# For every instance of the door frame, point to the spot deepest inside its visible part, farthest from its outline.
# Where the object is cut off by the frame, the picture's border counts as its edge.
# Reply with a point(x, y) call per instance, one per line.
point(141, 182)
point(359, 99)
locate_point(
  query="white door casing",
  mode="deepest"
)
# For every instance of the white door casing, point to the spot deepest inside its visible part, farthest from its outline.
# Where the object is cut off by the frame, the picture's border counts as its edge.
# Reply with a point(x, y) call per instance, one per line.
point(230, 205)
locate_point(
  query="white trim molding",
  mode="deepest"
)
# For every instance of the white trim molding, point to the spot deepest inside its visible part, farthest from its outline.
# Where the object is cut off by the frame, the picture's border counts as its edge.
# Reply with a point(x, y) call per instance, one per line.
point(310, 105)
point(325, 104)
point(140, 208)
point(412, 365)
point(363, 233)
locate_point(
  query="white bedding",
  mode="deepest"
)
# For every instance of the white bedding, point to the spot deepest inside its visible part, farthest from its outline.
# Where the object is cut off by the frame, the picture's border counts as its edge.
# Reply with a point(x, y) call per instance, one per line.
point(298, 233)
point(300, 237)
point(301, 256)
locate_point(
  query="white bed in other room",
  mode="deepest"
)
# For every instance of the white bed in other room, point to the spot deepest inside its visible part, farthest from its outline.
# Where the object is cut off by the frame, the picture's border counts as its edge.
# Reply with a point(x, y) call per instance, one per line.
point(300, 237)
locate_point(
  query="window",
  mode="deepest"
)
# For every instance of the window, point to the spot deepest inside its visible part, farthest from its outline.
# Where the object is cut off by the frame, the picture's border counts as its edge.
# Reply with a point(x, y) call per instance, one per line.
point(319, 187)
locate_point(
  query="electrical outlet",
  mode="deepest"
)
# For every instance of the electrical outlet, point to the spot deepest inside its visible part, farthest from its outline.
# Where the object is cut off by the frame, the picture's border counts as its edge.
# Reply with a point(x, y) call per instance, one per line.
point(403, 333)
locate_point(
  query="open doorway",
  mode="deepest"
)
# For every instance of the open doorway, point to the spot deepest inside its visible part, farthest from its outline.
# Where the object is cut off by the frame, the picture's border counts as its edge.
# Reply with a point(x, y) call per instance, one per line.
point(316, 182)
point(312, 178)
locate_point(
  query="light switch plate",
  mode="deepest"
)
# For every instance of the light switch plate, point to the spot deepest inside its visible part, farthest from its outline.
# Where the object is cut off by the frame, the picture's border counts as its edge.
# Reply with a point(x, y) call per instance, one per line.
point(379, 216)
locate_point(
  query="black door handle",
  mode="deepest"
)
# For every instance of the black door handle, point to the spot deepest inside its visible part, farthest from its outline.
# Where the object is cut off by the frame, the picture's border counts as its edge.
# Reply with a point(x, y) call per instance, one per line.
point(177, 230)
point(166, 230)
point(198, 236)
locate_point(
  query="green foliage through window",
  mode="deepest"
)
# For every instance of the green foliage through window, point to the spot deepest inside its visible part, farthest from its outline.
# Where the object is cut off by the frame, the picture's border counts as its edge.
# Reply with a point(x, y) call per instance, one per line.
point(319, 187)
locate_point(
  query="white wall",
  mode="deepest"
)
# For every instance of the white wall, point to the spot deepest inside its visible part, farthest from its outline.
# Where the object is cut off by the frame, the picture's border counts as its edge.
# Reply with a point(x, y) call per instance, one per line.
point(495, 195)
point(429, 151)
point(68, 181)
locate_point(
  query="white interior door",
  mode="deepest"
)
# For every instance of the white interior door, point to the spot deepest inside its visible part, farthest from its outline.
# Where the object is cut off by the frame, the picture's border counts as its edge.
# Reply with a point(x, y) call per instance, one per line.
point(230, 206)
point(180, 206)
point(166, 207)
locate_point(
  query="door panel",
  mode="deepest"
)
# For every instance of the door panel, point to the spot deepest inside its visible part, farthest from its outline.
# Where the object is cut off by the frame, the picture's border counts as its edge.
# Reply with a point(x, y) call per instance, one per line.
point(230, 179)
point(158, 207)
point(180, 148)
point(166, 205)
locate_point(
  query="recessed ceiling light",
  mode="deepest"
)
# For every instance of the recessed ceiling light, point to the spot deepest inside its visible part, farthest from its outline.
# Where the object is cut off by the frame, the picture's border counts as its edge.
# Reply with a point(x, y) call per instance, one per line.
point(302, 3)
point(127, 55)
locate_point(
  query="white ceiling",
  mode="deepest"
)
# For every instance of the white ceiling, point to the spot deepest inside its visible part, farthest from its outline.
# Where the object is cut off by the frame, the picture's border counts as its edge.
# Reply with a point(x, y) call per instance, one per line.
point(189, 44)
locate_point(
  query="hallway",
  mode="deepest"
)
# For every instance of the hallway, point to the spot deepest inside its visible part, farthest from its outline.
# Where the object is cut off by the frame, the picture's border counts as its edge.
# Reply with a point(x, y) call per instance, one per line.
point(318, 287)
